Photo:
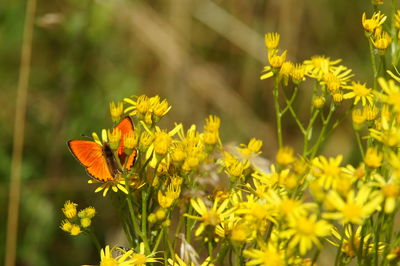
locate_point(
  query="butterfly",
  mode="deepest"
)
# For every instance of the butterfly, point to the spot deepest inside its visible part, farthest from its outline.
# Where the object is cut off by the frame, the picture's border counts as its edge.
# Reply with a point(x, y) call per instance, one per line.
point(99, 160)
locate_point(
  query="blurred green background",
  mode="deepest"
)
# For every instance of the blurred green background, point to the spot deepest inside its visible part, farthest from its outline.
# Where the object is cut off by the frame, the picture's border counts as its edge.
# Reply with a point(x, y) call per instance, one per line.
point(204, 56)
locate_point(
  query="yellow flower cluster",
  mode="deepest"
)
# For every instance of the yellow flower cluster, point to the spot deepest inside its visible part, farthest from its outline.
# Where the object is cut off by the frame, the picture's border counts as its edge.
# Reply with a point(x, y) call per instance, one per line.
point(229, 202)
point(76, 222)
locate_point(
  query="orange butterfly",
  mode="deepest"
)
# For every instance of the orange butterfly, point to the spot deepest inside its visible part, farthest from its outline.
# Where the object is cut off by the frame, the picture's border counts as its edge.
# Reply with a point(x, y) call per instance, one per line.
point(99, 160)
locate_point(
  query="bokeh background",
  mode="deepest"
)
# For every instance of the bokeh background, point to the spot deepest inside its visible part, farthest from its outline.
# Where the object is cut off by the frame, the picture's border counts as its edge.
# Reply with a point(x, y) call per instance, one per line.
point(204, 56)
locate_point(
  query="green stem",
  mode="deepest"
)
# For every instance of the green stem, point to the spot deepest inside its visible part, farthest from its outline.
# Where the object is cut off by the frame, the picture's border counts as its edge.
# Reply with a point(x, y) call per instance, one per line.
point(159, 237)
point(278, 113)
point(373, 62)
point(308, 134)
point(144, 219)
point(321, 136)
point(359, 143)
point(292, 112)
point(94, 240)
point(339, 249)
point(210, 248)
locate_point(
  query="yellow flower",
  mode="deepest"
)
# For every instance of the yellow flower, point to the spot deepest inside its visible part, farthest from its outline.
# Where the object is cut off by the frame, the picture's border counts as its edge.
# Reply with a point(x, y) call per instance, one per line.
point(288, 208)
point(209, 216)
point(285, 156)
point(370, 112)
point(374, 22)
point(88, 212)
point(257, 211)
point(318, 101)
point(390, 192)
point(160, 108)
point(305, 231)
point(360, 93)
point(69, 209)
point(130, 142)
point(117, 184)
point(177, 261)
point(356, 208)
point(276, 60)
point(162, 142)
point(391, 93)
point(373, 158)
point(337, 97)
point(285, 70)
point(352, 242)
point(177, 152)
point(255, 145)
point(272, 40)
point(85, 222)
point(213, 123)
point(397, 19)
point(327, 172)
point(267, 73)
point(382, 40)
point(172, 193)
point(114, 138)
point(211, 130)
point(66, 225)
point(268, 255)
point(116, 110)
point(251, 149)
point(75, 230)
point(140, 106)
point(236, 169)
point(120, 257)
point(336, 78)
point(298, 73)
point(320, 65)
point(358, 118)
point(146, 139)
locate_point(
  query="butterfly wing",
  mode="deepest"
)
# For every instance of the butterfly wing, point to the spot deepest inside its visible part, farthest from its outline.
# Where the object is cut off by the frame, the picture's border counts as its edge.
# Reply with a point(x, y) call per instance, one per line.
point(90, 154)
point(125, 126)
point(131, 160)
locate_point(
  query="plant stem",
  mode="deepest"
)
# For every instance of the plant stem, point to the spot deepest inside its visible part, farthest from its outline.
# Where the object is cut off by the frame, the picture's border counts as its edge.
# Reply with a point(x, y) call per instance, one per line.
point(373, 62)
point(94, 240)
point(359, 143)
point(321, 136)
point(18, 141)
point(308, 134)
point(278, 113)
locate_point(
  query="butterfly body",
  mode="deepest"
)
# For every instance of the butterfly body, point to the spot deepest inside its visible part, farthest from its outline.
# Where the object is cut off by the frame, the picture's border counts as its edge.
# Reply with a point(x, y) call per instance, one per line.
point(99, 159)
point(111, 161)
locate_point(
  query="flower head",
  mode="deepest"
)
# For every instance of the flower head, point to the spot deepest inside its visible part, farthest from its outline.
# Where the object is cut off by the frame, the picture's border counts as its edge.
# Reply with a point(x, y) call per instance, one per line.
point(360, 93)
point(209, 216)
point(276, 60)
point(373, 158)
point(272, 40)
point(116, 110)
point(69, 209)
point(374, 22)
point(305, 231)
point(356, 208)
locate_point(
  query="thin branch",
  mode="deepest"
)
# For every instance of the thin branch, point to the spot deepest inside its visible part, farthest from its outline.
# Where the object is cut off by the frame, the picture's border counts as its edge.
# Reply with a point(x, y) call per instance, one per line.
point(19, 128)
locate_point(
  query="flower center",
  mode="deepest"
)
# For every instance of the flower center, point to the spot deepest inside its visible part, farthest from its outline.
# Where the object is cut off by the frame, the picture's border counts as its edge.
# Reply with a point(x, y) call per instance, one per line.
point(306, 227)
point(352, 211)
point(390, 190)
point(360, 90)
